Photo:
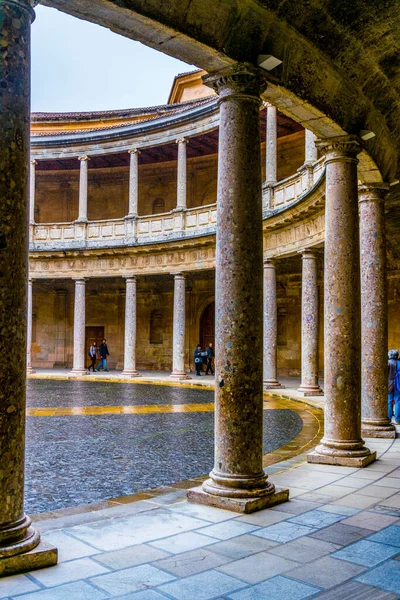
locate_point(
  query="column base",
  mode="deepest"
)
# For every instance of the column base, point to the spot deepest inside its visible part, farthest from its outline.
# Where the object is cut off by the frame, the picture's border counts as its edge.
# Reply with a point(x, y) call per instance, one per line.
point(309, 390)
point(340, 460)
point(371, 430)
point(180, 376)
point(130, 373)
point(30, 371)
point(239, 505)
point(272, 384)
point(44, 555)
point(78, 372)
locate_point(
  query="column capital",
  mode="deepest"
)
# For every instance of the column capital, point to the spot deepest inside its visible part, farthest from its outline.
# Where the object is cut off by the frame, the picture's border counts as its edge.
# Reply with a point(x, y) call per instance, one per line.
point(310, 253)
point(130, 278)
point(84, 158)
point(27, 5)
point(182, 141)
point(134, 151)
point(178, 274)
point(269, 263)
point(372, 192)
point(33, 161)
point(79, 280)
point(242, 79)
point(340, 147)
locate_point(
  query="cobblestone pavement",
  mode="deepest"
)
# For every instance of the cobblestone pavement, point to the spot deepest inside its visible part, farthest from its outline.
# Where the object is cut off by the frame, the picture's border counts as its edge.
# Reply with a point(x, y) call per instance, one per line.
point(338, 538)
point(73, 460)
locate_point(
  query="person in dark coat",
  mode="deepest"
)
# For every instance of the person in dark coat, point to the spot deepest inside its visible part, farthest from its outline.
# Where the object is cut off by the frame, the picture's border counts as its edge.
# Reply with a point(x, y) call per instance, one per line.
point(210, 356)
point(103, 351)
point(93, 356)
point(198, 359)
point(393, 382)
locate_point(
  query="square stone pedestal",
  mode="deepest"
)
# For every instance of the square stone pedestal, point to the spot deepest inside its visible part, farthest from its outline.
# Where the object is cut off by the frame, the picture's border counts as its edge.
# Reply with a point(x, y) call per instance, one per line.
point(44, 555)
point(378, 433)
point(239, 505)
point(341, 461)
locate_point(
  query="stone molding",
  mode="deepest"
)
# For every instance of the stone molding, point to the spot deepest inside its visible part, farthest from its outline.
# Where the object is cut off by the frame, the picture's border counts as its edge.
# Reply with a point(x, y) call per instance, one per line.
point(342, 147)
point(373, 192)
point(242, 79)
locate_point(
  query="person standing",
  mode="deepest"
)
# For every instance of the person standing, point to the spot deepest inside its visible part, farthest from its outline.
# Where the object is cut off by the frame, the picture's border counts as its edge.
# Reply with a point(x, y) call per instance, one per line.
point(393, 384)
point(210, 356)
point(198, 359)
point(103, 350)
point(92, 355)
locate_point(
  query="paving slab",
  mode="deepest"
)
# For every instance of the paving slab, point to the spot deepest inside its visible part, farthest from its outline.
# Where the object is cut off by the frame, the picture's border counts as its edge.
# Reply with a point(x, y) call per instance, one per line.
point(130, 580)
point(203, 586)
point(326, 572)
point(242, 546)
point(370, 520)
point(190, 563)
point(276, 588)
point(386, 577)
point(80, 590)
point(341, 534)
point(355, 591)
point(67, 572)
point(317, 519)
point(304, 549)
point(366, 553)
point(258, 567)
point(283, 532)
point(130, 557)
point(183, 542)
point(227, 529)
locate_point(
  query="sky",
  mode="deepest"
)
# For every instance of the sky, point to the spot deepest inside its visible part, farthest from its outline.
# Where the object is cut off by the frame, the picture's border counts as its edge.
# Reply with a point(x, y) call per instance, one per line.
point(79, 66)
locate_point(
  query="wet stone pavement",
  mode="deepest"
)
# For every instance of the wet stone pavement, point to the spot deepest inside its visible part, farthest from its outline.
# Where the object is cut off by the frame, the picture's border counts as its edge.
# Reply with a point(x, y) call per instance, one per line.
point(72, 460)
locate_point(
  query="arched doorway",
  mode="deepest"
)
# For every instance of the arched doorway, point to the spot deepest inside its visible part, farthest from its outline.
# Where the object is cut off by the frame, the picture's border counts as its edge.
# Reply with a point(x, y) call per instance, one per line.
point(207, 325)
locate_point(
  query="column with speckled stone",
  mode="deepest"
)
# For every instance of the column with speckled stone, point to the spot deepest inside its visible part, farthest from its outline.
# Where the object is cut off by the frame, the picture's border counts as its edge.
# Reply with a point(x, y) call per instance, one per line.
point(179, 328)
point(309, 324)
point(311, 150)
point(78, 367)
point(130, 329)
point(271, 149)
point(83, 188)
point(32, 188)
point(374, 335)
point(181, 203)
point(237, 481)
point(270, 327)
point(342, 443)
point(20, 546)
point(29, 329)
point(133, 183)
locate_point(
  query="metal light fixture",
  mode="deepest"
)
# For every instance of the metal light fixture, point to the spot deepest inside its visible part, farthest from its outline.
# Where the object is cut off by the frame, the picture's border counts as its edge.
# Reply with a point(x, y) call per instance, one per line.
point(365, 134)
point(268, 62)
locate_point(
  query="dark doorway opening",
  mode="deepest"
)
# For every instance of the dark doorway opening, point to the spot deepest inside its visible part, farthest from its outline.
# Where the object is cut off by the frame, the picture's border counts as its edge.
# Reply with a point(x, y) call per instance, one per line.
point(207, 325)
point(94, 334)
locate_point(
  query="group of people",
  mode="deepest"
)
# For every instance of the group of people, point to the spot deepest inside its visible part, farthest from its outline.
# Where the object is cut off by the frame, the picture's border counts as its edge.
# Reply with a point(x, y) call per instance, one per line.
point(101, 352)
point(204, 357)
point(394, 386)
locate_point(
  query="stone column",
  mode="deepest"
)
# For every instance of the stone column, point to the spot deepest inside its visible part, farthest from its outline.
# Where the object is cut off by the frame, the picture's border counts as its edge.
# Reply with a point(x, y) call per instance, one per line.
point(179, 327)
point(270, 327)
point(182, 183)
point(20, 547)
point(237, 481)
point(342, 443)
point(29, 330)
point(309, 325)
point(83, 188)
point(79, 367)
point(133, 183)
point(32, 185)
point(311, 151)
point(130, 329)
point(271, 146)
point(374, 335)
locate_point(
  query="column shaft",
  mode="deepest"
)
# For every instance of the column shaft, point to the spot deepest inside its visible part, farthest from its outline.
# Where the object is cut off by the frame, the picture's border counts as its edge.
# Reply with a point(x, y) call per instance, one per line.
point(83, 188)
point(17, 537)
point(374, 335)
point(237, 480)
point(29, 330)
point(179, 326)
point(32, 186)
point(130, 329)
point(271, 146)
point(311, 150)
point(270, 327)
point(79, 367)
point(342, 443)
point(309, 325)
point(133, 182)
point(182, 179)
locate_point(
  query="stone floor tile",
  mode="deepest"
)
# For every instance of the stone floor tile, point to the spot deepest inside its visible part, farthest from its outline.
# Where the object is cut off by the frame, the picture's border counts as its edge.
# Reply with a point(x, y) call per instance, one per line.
point(326, 572)
point(317, 499)
point(207, 513)
point(130, 557)
point(366, 553)
point(341, 534)
point(317, 519)
point(276, 588)
point(130, 580)
point(395, 473)
point(79, 590)
point(353, 481)
point(389, 481)
point(304, 549)
point(385, 577)
point(183, 542)
point(335, 490)
point(171, 498)
point(371, 475)
point(295, 507)
point(66, 572)
point(393, 501)
point(202, 586)
point(390, 536)
point(386, 510)
point(283, 532)
point(115, 534)
point(189, 563)
point(258, 567)
point(355, 591)
point(370, 520)
point(227, 529)
point(357, 501)
point(17, 584)
point(145, 595)
point(340, 510)
point(242, 546)
point(377, 491)
point(69, 548)
point(294, 491)
point(264, 517)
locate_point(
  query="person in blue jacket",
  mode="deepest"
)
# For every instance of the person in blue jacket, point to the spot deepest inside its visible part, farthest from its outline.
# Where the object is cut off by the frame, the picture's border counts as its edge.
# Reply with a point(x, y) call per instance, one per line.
point(394, 385)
